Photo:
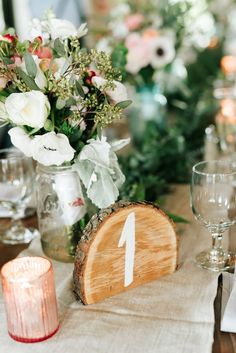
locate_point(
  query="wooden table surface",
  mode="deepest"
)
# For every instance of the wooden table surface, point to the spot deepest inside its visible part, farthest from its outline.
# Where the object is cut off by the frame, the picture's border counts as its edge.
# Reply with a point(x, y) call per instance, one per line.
point(177, 203)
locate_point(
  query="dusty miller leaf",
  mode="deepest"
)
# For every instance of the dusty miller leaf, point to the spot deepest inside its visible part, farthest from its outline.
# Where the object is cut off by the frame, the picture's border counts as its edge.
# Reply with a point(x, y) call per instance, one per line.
point(27, 79)
point(123, 104)
point(30, 65)
point(59, 47)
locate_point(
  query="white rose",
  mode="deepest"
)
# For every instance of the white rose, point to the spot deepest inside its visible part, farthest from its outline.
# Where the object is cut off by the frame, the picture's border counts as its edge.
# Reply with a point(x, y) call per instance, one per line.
point(118, 94)
point(29, 108)
point(21, 140)
point(52, 149)
point(61, 28)
point(36, 29)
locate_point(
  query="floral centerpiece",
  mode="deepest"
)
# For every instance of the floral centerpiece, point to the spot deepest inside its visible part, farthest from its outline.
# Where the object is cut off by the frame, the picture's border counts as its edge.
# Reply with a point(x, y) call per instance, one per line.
point(157, 38)
point(169, 51)
point(57, 96)
point(143, 37)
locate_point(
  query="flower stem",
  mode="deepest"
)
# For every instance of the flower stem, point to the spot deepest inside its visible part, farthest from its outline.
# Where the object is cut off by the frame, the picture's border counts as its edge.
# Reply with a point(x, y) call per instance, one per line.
point(53, 119)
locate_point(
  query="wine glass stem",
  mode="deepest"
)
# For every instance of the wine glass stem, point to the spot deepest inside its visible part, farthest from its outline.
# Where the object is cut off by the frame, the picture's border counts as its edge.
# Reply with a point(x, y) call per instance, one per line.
point(217, 253)
point(17, 226)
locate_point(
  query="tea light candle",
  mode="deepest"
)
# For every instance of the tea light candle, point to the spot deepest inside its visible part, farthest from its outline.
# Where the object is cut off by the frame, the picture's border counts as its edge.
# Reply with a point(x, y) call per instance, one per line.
point(30, 299)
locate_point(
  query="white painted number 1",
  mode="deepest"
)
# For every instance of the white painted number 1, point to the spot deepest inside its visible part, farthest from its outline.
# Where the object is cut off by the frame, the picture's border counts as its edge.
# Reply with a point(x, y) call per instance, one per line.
point(128, 237)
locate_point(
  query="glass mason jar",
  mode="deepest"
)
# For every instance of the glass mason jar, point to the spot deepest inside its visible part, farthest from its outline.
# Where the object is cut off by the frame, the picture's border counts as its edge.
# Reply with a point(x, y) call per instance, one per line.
point(61, 210)
point(148, 104)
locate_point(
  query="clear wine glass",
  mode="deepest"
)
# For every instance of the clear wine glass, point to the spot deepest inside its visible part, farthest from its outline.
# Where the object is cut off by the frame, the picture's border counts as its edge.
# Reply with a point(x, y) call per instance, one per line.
point(16, 187)
point(213, 202)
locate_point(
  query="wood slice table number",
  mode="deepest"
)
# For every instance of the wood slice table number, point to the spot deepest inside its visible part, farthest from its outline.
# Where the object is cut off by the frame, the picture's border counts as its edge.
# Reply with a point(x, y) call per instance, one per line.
point(123, 246)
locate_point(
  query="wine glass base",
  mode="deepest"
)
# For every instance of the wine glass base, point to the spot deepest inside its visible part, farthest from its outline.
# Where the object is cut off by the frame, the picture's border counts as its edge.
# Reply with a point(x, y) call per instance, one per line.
point(225, 263)
point(24, 237)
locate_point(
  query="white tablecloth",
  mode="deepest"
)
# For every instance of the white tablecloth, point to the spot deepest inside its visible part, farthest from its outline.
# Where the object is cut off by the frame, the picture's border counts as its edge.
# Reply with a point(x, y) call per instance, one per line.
point(172, 314)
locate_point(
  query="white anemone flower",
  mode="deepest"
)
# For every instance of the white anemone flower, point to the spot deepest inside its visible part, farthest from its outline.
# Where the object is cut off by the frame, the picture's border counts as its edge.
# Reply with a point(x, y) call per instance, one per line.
point(163, 51)
point(52, 149)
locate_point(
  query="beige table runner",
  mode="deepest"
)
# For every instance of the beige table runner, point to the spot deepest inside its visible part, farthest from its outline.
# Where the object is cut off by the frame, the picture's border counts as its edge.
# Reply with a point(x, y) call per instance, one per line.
point(171, 315)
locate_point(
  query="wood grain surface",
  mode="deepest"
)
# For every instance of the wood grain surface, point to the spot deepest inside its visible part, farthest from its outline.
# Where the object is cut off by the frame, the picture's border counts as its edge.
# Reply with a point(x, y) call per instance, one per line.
point(100, 262)
point(177, 202)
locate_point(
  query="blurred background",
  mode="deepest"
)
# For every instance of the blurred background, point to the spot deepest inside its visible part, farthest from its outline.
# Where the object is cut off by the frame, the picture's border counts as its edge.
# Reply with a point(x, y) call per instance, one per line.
point(178, 61)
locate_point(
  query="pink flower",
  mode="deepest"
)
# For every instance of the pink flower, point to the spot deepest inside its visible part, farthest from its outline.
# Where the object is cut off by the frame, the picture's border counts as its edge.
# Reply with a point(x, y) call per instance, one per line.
point(42, 52)
point(17, 60)
point(134, 21)
point(8, 38)
point(91, 74)
point(3, 82)
point(139, 53)
point(132, 40)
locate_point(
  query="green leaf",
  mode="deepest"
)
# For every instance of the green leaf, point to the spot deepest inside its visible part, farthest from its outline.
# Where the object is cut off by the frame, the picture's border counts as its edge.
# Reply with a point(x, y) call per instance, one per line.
point(119, 58)
point(6, 61)
point(99, 131)
point(30, 65)
point(79, 89)
point(3, 123)
point(2, 97)
point(32, 132)
point(60, 104)
point(83, 50)
point(59, 47)
point(27, 79)
point(123, 104)
point(71, 101)
point(176, 218)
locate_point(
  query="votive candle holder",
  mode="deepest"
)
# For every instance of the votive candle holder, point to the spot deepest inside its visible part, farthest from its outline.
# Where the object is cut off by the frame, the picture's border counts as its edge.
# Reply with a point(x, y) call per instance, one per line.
point(30, 299)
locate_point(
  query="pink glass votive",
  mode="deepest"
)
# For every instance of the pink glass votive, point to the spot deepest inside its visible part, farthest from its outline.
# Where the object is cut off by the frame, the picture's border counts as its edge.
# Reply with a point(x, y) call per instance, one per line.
point(30, 299)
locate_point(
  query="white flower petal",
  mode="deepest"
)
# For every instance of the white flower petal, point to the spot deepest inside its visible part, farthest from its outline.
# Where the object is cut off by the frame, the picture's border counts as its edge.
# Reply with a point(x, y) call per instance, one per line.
point(61, 28)
point(97, 152)
point(52, 149)
point(21, 140)
point(29, 108)
point(163, 51)
point(119, 144)
point(69, 191)
point(118, 94)
point(82, 30)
